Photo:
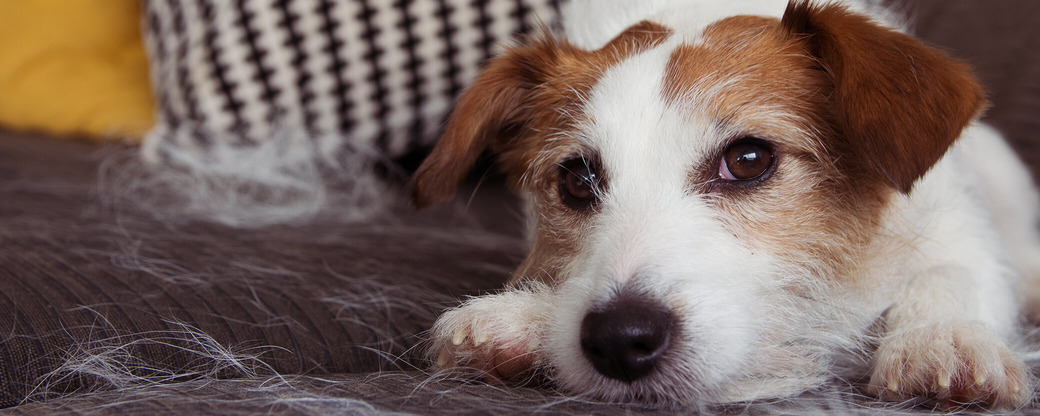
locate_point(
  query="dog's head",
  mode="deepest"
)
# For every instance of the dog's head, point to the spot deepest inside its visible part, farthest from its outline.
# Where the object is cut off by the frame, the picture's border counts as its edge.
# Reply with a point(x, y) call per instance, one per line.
point(694, 195)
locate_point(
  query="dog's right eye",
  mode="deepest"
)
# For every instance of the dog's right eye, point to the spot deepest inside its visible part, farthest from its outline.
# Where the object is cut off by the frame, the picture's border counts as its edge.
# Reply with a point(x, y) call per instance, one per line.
point(579, 183)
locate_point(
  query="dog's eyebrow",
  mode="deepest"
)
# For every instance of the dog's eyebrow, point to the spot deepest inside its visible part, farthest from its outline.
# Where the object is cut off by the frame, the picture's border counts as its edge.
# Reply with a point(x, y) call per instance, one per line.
point(584, 161)
point(723, 120)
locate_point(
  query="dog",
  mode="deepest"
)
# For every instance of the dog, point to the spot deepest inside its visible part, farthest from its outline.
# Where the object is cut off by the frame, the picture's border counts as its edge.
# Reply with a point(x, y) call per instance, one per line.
point(732, 201)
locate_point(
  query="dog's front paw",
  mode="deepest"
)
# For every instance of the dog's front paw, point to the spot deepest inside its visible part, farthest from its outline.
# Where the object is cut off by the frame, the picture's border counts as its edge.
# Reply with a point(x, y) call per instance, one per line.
point(495, 335)
point(955, 364)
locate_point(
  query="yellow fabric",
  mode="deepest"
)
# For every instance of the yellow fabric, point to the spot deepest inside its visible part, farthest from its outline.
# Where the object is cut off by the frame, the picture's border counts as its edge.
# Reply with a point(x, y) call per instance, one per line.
point(74, 67)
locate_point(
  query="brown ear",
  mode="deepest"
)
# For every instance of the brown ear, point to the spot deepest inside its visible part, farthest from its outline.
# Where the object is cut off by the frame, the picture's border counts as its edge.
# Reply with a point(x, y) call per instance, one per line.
point(528, 82)
point(898, 103)
point(485, 115)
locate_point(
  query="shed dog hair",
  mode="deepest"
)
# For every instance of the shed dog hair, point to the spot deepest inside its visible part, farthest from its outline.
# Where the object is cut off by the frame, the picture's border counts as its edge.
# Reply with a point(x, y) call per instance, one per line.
point(738, 200)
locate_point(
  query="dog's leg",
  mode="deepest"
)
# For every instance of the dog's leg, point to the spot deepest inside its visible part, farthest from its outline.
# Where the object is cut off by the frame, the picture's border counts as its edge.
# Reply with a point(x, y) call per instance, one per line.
point(496, 335)
point(1012, 197)
point(1031, 283)
point(972, 217)
point(934, 348)
point(1029, 263)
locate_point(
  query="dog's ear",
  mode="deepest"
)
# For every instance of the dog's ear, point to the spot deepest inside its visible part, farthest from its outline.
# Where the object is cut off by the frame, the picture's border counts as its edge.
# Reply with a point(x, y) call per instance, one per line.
point(897, 103)
point(534, 81)
point(487, 115)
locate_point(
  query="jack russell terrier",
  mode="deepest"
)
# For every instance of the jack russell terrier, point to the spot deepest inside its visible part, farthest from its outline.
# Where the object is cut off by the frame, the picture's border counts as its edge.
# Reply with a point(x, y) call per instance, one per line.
point(739, 200)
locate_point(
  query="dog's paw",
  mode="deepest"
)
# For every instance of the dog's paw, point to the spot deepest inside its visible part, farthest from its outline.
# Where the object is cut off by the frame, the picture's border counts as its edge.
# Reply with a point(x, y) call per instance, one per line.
point(955, 364)
point(495, 335)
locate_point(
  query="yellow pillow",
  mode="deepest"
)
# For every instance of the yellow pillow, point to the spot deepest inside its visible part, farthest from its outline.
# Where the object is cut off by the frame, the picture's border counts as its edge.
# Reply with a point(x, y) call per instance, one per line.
point(74, 68)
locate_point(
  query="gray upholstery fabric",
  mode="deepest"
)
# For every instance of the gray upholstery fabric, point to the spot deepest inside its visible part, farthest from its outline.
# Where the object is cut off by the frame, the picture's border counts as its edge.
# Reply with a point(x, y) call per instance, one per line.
point(1001, 41)
point(392, 392)
point(78, 278)
point(321, 317)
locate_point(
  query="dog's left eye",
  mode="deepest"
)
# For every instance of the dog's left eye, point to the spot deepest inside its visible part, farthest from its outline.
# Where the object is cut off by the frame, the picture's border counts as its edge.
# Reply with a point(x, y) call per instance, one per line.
point(579, 183)
point(745, 160)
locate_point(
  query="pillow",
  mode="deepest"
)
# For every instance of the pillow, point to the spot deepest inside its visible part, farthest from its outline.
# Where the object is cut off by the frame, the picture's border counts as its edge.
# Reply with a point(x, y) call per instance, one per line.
point(74, 68)
point(374, 74)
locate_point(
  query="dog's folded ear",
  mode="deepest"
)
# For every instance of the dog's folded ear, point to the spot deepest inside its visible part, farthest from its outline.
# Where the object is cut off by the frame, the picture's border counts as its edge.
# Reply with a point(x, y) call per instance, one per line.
point(897, 103)
point(487, 115)
point(527, 91)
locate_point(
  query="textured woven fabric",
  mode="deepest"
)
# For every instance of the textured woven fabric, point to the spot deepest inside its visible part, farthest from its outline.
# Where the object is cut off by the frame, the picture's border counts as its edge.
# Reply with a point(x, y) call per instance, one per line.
point(378, 73)
point(394, 392)
point(94, 297)
point(1003, 46)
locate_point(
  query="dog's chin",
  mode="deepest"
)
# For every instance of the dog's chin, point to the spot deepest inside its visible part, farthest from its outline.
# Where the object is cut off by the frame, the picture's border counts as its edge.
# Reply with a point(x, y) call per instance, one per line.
point(685, 380)
point(675, 383)
point(723, 352)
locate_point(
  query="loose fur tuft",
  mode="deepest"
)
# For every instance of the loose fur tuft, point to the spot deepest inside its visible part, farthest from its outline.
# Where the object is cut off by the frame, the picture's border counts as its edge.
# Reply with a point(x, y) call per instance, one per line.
point(115, 362)
point(291, 178)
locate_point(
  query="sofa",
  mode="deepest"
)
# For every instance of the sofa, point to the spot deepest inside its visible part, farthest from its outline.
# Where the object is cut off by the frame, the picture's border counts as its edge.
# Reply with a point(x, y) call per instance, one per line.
point(108, 304)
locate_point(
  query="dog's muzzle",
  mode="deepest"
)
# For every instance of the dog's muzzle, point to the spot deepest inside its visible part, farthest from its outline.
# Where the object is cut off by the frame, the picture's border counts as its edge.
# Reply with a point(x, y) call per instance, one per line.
point(626, 338)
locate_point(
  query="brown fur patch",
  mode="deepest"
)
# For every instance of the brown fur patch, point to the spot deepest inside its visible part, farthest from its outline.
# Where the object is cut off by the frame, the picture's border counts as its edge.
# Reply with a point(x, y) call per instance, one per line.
point(516, 103)
point(745, 65)
point(751, 79)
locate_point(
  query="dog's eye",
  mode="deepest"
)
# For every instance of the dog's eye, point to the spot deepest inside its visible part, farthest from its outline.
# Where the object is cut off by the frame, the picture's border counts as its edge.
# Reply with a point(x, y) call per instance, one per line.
point(745, 160)
point(579, 183)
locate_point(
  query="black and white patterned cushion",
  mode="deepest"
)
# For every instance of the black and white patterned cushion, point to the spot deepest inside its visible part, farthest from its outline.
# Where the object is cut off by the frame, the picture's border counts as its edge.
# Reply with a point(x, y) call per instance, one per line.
point(377, 73)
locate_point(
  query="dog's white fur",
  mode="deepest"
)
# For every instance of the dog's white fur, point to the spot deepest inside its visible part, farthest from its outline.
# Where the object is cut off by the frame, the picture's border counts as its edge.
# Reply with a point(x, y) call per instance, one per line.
point(937, 293)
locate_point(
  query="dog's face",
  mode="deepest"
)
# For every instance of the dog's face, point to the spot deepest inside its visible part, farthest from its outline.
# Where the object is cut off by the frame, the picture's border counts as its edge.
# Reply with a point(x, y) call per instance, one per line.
point(701, 202)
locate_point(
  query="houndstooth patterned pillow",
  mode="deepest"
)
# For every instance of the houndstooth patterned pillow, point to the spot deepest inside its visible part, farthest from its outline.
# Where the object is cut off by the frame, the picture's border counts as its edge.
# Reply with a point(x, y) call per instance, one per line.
point(378, 73)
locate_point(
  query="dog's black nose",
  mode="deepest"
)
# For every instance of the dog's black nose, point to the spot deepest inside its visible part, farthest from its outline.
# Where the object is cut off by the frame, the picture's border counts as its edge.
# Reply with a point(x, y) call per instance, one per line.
point(625, 339)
